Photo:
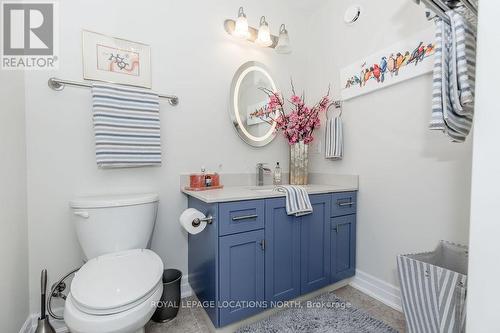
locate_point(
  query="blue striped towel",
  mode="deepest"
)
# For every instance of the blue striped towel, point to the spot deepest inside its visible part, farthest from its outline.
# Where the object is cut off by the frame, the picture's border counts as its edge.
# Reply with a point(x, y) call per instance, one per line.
point(334, 148)
point(453, 80)
point(126, 126)
point(297, 200)
point(463, 64)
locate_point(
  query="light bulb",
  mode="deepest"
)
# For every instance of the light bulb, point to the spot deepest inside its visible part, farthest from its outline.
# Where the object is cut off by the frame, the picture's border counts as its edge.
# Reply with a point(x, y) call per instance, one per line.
point(283, 46)
point(264, 35)
point(241, 27)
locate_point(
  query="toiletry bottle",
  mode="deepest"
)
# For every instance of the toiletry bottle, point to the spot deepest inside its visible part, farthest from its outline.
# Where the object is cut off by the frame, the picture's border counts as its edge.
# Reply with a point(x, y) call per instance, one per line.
point(208, 180)
point(203, 176)
point(277, 174)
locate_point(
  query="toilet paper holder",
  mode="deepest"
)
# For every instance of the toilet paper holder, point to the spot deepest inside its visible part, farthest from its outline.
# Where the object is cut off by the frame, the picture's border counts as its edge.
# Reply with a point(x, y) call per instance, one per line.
point(209, 219)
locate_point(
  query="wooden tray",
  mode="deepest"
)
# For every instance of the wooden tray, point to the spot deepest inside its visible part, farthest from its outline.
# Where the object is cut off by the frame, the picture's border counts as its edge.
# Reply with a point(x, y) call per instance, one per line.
point(207, 188)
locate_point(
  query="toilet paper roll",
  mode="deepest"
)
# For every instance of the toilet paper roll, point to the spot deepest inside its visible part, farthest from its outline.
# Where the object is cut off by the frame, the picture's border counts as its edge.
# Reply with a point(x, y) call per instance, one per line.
point(187, 218)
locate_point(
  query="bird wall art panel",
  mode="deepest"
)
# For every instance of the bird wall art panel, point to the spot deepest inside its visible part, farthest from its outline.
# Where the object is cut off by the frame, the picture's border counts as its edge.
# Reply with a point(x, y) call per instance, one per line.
point(402, 61)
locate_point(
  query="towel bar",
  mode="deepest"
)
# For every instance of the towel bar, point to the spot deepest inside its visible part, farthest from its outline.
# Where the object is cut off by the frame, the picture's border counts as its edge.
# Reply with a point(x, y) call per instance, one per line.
point(59, 84)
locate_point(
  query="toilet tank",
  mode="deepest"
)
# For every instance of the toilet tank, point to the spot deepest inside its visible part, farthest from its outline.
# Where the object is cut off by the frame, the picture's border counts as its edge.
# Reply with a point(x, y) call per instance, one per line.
point(106, 224)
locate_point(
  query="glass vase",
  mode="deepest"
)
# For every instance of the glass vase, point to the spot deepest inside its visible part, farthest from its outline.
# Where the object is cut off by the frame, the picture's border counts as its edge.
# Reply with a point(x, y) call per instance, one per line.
point(299, 161)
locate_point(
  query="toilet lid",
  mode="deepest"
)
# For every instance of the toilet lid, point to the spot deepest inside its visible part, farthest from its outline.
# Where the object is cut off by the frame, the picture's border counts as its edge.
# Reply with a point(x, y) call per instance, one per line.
point(110, 282)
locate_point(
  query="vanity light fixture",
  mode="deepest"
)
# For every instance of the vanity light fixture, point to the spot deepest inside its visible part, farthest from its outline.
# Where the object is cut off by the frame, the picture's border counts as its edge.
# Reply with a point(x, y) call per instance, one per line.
point(264, 35)
point(241, 26)
point(283, 46)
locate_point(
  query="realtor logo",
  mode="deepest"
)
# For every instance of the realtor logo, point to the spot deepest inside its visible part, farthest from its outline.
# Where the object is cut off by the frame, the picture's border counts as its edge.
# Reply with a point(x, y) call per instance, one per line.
point(29, 35)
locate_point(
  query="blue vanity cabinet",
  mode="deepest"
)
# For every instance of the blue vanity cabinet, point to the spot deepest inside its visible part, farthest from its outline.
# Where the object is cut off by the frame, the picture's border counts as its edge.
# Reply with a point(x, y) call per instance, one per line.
point(282, 252)
point(254, 255)
point(315, 245)
point(241, 280)
point(343, 246)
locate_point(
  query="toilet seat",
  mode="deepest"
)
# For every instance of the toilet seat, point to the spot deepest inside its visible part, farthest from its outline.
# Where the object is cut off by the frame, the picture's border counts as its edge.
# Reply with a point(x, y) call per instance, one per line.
point(116, 282)
point(132, 320)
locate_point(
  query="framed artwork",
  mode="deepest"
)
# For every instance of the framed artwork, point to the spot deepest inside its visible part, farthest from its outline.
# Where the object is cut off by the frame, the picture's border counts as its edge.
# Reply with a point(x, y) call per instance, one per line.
point(116, 60)
point(402, 61)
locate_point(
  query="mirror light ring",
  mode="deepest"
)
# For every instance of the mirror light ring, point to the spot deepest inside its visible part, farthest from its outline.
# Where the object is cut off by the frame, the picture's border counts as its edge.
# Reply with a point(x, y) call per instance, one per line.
point(235, 102)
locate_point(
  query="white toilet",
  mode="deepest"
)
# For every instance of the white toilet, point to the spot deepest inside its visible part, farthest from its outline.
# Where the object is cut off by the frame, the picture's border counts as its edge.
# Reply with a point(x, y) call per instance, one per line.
point(117, 288)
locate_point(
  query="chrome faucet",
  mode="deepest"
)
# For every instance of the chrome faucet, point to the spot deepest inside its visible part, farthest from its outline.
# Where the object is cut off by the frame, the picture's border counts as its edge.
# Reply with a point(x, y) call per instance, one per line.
point(260, 173)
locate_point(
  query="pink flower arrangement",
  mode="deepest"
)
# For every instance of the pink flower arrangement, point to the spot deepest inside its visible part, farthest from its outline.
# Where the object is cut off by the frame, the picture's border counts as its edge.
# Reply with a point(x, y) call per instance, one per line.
point(299, 124)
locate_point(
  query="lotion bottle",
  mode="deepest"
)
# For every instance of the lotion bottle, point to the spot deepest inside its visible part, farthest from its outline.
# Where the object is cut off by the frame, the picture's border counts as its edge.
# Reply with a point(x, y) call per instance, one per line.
point(277, 174)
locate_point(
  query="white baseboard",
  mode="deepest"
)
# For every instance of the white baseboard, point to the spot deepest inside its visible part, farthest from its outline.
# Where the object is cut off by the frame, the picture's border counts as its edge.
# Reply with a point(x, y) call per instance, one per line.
point(382, 291)
point(29, 325)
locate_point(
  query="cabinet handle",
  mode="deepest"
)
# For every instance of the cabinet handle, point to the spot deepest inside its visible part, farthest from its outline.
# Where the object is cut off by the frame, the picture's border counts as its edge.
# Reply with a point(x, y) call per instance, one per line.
point(263, 244)
point(245, 217)
point(342, 204)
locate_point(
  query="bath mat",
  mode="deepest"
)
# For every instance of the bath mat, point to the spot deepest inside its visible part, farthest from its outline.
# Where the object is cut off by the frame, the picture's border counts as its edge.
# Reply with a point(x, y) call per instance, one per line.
point(324, 314)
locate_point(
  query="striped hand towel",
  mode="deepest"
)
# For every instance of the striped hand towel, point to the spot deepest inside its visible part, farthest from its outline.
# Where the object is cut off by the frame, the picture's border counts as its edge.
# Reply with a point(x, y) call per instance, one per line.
point(126, 125)
point(297, 200)
point(438, 95)
point(453, 79)
point(334, 141)
point(463, 64)
point(457, 126)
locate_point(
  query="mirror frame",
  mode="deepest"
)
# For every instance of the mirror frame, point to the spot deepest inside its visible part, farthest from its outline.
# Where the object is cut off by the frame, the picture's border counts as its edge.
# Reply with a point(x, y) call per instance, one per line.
point(234, 113)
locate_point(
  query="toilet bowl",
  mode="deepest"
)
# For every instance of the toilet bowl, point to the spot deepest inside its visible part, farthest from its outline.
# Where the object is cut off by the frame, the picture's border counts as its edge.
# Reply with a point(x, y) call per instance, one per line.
point(115, 293)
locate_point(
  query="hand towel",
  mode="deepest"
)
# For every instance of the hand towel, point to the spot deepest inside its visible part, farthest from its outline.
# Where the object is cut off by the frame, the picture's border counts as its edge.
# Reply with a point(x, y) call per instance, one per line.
point(297, 200)
point(448, 114)
point(126, 126)
point(438, 95)
point(458, 119)
point(463, 63)
point(334, 141)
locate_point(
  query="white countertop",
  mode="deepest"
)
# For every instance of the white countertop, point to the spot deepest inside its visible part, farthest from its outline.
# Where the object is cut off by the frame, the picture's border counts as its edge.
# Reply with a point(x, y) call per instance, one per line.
point(237, 193)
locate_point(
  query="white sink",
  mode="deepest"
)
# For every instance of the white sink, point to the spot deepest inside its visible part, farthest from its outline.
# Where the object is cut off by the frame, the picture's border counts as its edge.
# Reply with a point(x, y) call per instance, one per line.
point(263, 189)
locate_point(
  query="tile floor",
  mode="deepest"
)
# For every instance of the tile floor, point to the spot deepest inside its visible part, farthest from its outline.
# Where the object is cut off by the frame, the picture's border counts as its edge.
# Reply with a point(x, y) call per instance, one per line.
point(194, 320)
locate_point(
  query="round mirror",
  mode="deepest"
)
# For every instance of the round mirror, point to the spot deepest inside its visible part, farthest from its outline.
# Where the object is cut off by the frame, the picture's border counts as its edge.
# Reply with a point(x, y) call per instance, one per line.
point(249, 103)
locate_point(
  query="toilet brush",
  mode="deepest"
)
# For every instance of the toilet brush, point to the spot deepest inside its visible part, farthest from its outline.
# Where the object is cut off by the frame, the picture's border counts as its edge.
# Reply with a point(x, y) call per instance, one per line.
point(44, 325)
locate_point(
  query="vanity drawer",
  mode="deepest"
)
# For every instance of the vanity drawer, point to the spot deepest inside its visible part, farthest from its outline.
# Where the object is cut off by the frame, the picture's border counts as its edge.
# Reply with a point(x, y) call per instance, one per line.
point(343, 203)
point(240, 216)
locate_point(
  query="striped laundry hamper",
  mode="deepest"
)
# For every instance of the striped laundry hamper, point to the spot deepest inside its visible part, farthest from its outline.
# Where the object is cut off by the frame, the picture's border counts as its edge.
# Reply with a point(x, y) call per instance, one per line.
point(434, 289)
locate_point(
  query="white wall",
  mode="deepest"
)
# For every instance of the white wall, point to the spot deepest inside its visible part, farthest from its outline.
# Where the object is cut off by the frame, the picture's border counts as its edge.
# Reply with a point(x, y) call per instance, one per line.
point(13, 220)
point(483, 287)
point(414, 183)
point(192, 57)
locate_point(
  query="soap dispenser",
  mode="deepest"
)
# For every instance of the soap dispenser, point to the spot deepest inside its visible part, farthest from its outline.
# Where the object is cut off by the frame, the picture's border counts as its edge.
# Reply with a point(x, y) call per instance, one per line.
point(277, 174)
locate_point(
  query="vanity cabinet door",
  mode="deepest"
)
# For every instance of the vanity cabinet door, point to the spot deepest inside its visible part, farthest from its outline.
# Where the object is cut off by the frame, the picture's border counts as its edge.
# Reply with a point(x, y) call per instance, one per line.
point(282, 252)
point(343, 240)
point(315, 245)
point(241, 279)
